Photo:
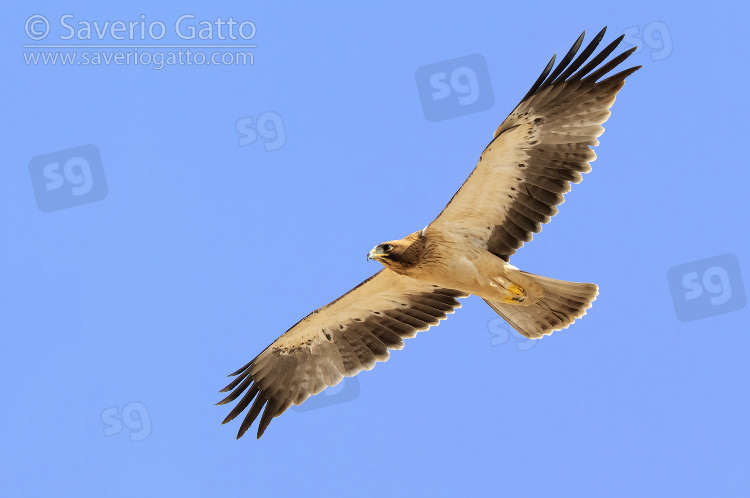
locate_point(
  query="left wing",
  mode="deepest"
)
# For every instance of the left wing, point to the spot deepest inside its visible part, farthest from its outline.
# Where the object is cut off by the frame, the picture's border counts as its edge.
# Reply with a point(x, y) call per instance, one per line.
point(340, 339)
point(540, 148)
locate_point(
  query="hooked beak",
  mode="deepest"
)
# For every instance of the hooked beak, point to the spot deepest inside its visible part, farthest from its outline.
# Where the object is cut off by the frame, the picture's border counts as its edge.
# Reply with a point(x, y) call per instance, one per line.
point(374, 254)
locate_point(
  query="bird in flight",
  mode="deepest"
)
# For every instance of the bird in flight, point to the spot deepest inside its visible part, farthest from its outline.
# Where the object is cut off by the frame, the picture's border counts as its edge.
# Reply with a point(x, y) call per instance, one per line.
point(535, 154)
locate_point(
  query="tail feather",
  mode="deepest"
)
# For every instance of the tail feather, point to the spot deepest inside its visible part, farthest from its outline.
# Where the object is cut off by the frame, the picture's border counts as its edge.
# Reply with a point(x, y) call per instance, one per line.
point(554, 305)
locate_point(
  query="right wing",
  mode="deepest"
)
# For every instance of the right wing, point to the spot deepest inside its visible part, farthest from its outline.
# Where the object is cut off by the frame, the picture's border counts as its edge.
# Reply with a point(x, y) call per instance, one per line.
point(340, 339)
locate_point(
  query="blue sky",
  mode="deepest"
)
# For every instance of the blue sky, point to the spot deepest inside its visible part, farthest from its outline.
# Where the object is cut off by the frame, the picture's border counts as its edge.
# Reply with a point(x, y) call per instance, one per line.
point(161, 226)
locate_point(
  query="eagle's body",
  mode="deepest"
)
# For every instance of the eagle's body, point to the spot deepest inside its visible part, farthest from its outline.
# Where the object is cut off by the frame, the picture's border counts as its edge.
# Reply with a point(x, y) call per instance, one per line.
point(450, 260)
point(540, 148)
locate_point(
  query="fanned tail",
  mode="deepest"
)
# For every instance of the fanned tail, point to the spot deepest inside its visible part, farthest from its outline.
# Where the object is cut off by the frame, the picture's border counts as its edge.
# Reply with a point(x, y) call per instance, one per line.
point(559, 305)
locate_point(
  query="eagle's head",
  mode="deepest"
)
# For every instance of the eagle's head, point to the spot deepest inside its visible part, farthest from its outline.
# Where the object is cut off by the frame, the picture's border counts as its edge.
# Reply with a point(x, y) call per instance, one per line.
point(399, 255)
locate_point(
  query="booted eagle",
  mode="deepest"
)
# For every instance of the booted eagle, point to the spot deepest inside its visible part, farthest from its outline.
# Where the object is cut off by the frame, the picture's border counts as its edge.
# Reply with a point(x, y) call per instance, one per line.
point(541, 147)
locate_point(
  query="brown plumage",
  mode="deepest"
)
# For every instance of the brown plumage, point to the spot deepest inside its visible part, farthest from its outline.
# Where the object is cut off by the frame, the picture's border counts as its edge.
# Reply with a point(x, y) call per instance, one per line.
point(541, 147)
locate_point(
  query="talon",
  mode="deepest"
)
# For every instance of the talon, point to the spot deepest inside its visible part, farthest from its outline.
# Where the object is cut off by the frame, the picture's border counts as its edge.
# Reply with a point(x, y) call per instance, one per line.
point(516, 290)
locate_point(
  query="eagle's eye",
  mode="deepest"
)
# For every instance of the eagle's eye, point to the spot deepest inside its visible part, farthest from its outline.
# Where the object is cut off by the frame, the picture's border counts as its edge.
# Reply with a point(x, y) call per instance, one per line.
point(387, 247)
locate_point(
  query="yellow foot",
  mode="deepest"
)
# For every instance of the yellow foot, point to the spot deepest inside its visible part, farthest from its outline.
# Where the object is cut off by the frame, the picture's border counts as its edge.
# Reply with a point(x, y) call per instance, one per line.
point(517, 294)
point(516, 290)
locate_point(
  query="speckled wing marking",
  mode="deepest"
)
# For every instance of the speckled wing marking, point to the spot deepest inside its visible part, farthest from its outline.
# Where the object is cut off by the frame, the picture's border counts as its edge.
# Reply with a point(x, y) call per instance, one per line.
point(340, 339)
point(541, 147)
